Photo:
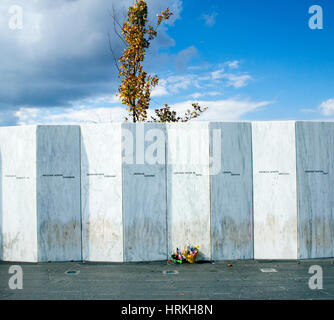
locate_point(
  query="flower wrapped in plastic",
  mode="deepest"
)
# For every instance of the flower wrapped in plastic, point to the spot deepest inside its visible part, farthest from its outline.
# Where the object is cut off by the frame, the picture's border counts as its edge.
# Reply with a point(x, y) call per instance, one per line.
point(187, 255)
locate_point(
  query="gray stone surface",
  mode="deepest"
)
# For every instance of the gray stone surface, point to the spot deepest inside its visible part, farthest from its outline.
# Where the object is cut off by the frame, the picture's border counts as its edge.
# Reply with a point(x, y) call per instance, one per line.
point(58, 193)
point(231, 193)
point(244, 280)
point(315, 177)
point(144, 199)
point(143, 211)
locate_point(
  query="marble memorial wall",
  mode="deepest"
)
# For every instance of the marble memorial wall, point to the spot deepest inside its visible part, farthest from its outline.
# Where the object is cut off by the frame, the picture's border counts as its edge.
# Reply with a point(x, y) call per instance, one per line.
point(274, 190)
point(315, 177)
point(101, 192)
point(58, 193)
point(188, 187)
point(18, 212)
point(144, 192)
point(135, 192)
point(40, 199)
point(231, 191)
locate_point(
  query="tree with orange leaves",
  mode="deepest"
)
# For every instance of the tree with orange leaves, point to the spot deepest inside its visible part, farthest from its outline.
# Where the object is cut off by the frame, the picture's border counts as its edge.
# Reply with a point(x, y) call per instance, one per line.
point(136, 87)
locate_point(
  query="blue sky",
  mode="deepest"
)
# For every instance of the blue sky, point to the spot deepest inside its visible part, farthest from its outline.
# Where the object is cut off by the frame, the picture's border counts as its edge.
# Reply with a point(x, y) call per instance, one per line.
point(245, 60)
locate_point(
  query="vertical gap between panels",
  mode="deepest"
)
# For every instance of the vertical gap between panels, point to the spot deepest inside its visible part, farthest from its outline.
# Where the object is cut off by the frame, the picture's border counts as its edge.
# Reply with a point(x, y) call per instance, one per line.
point(252, 185)
point(36, 194)
point(122, 181)
point(210, 180)
point(80, 182)
point(296, 184)
point(166, 186)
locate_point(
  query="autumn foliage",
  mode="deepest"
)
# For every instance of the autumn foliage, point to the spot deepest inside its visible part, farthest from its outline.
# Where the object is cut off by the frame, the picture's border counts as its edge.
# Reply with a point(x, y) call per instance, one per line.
point(136, 87)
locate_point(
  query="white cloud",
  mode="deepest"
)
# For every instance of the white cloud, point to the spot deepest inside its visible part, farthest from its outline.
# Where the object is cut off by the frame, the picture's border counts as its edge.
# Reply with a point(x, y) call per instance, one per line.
point(197, 95)
point(219, 110)
point(217, 74)
point(210, 19)
point(233, 64)
point(27, 115)
point(108, 98)
point(327, 107)
point(75, 115)
point(233, 80)
point(222, 110)
point(237, 81)
point(202, 83)
point(160, 90)
point(180, 83)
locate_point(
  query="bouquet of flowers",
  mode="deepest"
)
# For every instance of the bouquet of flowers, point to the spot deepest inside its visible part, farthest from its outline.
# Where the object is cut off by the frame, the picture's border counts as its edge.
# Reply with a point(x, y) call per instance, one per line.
point(187, 255)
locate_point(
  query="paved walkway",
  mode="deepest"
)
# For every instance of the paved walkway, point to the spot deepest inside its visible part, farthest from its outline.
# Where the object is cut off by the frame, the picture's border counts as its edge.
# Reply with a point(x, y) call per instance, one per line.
point(153, 280)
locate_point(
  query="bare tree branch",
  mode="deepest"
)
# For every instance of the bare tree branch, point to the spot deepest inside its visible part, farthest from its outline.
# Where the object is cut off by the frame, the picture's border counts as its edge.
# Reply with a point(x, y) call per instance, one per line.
point(115, 21)
point(113, 54)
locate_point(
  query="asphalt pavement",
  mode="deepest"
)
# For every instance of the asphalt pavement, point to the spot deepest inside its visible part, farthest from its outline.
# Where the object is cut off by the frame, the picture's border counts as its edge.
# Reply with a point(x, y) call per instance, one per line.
point(238, 279)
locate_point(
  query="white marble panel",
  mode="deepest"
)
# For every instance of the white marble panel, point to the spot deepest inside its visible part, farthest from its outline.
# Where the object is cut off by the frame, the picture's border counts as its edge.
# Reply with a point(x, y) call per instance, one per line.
point(18, 219)
point(275, 193)
point(101, 192)
point(231, 191)
point(188, 187)
point(58, 193)
point(315, 177)
point(144, 192)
